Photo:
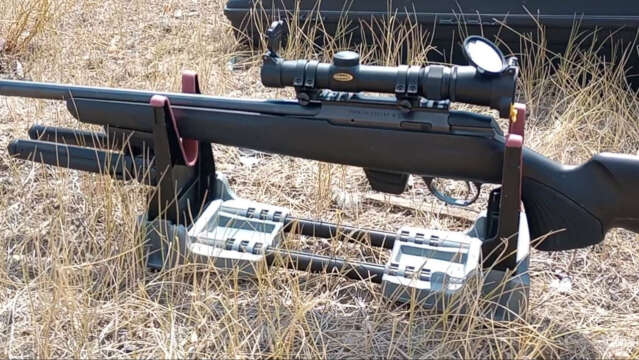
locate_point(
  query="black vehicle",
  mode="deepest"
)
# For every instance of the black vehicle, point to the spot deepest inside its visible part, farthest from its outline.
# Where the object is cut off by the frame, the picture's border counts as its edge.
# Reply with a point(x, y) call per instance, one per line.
point(614, 22)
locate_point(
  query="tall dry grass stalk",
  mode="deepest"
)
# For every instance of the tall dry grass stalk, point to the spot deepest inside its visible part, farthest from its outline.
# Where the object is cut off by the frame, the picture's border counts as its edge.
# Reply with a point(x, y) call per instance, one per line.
point(72, 274)
point(22, 22)
point(580, 95)
point(395, 39)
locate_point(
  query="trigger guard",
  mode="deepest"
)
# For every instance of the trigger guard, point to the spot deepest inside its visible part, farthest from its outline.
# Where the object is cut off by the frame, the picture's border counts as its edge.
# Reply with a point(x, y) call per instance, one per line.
point(451, 200)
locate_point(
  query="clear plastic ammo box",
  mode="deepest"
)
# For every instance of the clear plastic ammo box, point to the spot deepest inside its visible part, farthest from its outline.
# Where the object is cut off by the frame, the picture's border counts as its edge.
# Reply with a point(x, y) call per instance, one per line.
point(236, 233)
point(430, 265)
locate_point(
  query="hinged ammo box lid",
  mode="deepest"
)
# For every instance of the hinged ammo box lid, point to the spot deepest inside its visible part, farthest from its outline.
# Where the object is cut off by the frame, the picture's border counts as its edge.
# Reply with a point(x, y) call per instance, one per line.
point(450, 21)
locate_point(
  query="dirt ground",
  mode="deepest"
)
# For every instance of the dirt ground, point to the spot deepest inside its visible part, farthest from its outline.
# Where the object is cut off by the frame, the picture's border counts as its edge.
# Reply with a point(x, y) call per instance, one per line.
point(72, 279)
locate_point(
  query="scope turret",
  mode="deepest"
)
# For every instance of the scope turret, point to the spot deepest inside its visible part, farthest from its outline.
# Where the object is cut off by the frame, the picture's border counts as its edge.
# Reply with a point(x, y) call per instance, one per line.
point(346, 59)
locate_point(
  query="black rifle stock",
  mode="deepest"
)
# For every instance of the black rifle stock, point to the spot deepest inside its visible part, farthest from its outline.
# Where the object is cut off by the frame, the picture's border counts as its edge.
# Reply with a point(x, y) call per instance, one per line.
point(577, 204)
point(582, 201)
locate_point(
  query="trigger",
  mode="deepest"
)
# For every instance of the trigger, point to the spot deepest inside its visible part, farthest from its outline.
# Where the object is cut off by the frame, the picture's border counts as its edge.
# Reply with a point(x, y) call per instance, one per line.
point(451, 200)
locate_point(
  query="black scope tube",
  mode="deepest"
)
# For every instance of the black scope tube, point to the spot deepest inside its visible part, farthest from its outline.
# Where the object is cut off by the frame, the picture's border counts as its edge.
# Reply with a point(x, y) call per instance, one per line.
point(434, 82)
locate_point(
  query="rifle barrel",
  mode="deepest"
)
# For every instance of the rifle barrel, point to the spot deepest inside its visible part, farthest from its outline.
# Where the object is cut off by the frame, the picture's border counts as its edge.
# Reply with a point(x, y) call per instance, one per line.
point(282, 127)
point(40, 90)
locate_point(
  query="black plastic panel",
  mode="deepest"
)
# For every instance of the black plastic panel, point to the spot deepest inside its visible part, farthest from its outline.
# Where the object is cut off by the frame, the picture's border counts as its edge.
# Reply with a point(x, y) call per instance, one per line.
point(558, 223)
point(450, 7)
point(447, 19)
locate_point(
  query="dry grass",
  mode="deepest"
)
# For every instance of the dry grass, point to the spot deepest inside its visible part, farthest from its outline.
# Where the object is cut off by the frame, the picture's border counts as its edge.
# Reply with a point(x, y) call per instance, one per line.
point(71, 275)
point(26, 20)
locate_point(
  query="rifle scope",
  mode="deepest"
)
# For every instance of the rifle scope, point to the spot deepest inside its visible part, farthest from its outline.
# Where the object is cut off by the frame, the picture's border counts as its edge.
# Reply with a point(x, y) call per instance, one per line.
point(491, 81)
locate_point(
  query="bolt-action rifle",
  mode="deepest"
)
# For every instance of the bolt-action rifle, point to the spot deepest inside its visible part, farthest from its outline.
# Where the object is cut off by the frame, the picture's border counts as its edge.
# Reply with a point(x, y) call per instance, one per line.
point(164, 140)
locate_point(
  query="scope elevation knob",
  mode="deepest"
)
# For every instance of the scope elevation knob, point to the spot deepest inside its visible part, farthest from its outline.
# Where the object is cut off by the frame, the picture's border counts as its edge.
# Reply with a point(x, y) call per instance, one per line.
point(346, 59)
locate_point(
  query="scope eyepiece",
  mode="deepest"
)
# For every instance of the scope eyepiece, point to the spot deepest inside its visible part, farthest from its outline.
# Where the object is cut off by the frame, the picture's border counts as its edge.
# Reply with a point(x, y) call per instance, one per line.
point(489, 81)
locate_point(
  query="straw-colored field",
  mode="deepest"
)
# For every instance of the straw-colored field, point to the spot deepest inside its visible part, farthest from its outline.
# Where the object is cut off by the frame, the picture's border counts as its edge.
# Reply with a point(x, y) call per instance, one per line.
point(72, 280)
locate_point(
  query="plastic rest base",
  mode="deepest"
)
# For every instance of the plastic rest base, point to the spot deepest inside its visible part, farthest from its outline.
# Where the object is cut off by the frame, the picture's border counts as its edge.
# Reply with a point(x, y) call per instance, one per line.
point(164, 243)
point(442, 269)
point(506, 292)
point(231, 234)
point(431, 268)
point(236, 233)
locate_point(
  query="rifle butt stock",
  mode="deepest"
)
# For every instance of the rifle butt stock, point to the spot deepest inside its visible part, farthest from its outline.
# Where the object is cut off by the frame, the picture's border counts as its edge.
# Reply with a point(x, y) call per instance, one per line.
point(573, 207)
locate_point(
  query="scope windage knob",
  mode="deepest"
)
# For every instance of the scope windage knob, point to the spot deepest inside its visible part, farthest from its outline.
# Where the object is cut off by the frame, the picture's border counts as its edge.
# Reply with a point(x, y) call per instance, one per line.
point(346, 59)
